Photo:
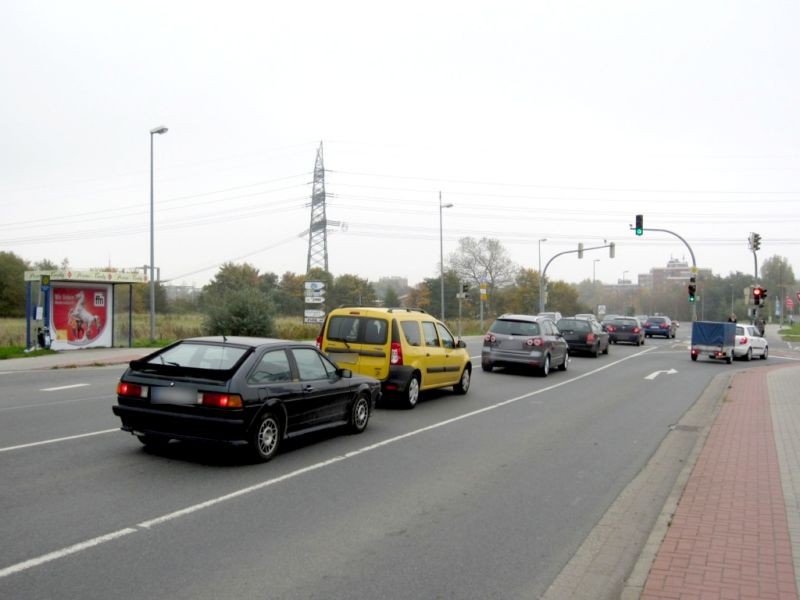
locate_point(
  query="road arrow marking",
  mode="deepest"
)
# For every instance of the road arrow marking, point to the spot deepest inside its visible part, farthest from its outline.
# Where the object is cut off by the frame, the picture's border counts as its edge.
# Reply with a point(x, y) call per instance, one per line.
point(657, 373)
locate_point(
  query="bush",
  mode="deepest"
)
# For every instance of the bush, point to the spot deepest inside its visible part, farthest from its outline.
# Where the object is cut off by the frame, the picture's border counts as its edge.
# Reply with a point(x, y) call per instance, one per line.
point(241, 312)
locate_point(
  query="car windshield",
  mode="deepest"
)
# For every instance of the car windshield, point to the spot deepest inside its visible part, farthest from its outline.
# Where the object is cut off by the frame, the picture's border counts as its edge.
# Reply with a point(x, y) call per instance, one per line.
point(623, 322)
point(510, 327)
point(194, 355)
point(657, 320)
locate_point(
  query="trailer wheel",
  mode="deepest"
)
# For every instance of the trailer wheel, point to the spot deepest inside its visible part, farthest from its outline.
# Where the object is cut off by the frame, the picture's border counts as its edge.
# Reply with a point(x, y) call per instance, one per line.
point(694, 357)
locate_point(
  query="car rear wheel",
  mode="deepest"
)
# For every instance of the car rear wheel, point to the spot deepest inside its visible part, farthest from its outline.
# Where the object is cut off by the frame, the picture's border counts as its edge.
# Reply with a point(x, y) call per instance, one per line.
point(563, 366)
point(596, 352)
point(749, 355)
point(766, 353)
point(487, 366)
point(359, 414)
point(412, 392)
point(544, 371)
point(265, 437)
point(462, 387)
point(694, 357)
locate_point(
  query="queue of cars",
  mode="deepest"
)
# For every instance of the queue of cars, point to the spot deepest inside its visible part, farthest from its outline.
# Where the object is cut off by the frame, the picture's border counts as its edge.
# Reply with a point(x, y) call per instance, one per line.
point(256, 392)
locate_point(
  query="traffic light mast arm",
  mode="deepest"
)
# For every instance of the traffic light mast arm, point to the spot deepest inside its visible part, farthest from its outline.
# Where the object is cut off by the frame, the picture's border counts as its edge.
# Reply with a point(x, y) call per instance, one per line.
point(555, 256)
point(685, 243)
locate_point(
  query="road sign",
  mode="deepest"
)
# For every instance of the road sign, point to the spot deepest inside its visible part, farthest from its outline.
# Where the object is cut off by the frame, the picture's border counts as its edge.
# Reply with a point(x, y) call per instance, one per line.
point(316, 293)
point(314, 285)
point(314, 313)
point(798, 295)
point(314, 299)
point(789, 302)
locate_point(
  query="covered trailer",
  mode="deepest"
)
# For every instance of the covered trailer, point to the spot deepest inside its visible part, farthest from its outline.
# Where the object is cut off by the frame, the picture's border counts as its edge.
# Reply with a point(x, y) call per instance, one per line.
point(713, 339)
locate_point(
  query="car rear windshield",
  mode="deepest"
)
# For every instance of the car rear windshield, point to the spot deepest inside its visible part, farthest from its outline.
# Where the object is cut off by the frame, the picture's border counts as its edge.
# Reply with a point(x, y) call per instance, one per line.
point(624, 322)
point(657, 320)
point(509, 327)
point(213, 357)
point(359, 330)
point(573, 325)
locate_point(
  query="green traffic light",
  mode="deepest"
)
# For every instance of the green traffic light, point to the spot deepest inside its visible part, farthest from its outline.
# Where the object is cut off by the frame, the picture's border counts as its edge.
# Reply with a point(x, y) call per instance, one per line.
point(639, 224)
point(691, 298)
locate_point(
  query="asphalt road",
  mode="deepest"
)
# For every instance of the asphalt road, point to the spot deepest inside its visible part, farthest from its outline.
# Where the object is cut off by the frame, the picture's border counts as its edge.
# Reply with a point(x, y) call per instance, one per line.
point(486, 495)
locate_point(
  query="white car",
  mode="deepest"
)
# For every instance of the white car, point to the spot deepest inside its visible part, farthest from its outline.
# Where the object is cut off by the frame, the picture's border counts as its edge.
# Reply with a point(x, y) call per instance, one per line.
point(749, 343)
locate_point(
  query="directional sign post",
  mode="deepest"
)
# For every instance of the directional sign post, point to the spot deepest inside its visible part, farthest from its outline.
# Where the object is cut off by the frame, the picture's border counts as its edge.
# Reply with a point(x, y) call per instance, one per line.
point(314, 292)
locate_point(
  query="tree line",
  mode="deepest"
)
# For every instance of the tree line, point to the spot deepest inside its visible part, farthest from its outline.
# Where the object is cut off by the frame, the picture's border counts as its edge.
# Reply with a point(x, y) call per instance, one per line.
point(241, 299)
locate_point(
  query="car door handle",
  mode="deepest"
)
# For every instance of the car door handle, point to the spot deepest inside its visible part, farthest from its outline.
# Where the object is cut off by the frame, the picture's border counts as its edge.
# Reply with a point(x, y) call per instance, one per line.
point(308, 388)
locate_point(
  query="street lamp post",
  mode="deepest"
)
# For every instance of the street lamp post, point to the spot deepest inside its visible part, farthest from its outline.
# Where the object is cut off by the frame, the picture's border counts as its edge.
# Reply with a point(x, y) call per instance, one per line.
point(594, 271)
point(541, 279)
point(156, 130)
point(441, 250)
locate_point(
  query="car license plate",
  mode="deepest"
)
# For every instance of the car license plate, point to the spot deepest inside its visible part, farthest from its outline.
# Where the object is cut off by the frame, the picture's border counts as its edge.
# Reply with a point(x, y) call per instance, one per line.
point(172, 395)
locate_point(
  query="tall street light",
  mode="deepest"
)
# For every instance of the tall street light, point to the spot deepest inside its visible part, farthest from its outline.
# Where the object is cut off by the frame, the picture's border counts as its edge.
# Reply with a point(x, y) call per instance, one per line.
point(594, 271)
point(441, 249)
point(541, 279)
point(156, 130)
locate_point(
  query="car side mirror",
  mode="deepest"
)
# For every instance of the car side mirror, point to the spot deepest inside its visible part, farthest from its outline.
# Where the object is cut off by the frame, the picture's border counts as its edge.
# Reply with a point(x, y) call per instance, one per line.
point(345, 373)
point(461, 344)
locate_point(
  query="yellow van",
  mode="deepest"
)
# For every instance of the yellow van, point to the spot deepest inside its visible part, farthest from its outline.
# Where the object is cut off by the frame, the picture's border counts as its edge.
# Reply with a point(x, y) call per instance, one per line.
point(405, 348)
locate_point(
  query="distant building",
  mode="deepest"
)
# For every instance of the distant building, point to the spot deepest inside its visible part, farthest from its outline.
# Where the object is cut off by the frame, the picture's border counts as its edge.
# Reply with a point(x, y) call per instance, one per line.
point(676, 271)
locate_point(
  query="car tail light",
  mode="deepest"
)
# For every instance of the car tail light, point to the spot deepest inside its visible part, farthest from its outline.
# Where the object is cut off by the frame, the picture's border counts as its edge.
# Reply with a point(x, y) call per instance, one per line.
point(611, 329)
point(534, 342)
point(396, 356)
point(218, 400)
point(590, 337)
point(743, 340)
point(489, 338)
point(319, 342)
point(132, 390)
point(636, 330)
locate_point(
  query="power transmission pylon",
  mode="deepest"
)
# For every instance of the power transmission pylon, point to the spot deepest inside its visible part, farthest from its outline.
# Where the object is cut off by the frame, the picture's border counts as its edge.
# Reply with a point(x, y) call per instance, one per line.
point(318, 229)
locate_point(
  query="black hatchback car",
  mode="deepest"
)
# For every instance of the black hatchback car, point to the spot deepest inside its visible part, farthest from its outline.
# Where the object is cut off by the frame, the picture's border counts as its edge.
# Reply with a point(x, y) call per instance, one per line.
point(244, 391)
point(584, 336)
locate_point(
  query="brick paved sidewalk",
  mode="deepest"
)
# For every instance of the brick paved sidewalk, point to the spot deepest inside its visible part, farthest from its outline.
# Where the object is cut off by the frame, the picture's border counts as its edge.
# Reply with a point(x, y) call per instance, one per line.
point(729, 538)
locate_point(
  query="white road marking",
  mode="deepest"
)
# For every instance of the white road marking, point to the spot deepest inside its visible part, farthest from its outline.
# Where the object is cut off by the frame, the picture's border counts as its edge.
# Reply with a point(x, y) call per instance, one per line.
point(655, 374)
point(40, 560)
point(56, 440)
point(145, 525)
point(64, 387)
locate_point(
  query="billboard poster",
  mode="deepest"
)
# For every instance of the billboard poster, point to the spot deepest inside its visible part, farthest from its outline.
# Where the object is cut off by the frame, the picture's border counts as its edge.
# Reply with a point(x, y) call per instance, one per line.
point(80, 316)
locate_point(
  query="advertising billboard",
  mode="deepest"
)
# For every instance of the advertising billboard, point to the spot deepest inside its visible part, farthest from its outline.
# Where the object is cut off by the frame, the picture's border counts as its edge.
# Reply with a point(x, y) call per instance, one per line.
point(80, 316)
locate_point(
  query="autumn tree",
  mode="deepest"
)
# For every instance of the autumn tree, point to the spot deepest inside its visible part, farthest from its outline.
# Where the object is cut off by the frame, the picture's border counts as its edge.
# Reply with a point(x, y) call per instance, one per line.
point(12, 285)
point(484, 260)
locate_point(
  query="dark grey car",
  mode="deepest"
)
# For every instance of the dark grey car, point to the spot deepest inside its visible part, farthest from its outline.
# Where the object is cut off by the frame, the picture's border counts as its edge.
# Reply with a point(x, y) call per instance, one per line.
point(584, 335)
point(524, 340)
point(625, 329)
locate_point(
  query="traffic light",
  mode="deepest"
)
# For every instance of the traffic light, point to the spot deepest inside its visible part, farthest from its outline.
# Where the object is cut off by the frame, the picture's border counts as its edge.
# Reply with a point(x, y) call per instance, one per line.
point(464, 287)
point(580, 249)
point(639, 224)
point(692, 289)
point(763, 295)
point(612, 247)
point(756, 241)
point(758, 295)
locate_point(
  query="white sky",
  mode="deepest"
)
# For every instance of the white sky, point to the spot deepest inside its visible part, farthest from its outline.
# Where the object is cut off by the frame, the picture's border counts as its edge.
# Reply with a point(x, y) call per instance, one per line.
point(557, 120)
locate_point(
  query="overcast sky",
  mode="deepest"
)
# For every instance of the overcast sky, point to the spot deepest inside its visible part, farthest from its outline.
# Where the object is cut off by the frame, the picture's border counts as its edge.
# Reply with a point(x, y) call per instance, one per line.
point(557, 120)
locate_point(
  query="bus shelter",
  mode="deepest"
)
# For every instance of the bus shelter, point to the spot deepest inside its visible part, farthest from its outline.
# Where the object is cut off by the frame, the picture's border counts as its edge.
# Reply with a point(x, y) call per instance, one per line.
point(76, 308)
